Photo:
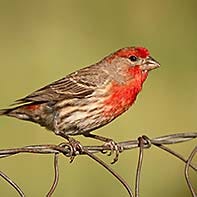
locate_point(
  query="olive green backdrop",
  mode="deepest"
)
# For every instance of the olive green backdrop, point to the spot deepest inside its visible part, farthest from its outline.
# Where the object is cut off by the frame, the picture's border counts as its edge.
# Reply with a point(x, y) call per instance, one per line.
point(41, 41)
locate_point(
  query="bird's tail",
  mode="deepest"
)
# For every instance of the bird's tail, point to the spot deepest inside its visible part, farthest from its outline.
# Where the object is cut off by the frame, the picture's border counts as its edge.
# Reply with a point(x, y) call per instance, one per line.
point(24, 112)
point(4, 111)
point(31, 112)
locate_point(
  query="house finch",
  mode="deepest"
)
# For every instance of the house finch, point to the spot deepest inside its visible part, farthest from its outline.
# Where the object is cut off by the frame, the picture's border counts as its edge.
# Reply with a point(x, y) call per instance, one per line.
point(90, 97)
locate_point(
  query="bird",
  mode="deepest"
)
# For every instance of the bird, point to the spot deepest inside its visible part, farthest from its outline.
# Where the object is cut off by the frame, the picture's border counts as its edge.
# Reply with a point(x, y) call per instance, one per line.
point(90, 97)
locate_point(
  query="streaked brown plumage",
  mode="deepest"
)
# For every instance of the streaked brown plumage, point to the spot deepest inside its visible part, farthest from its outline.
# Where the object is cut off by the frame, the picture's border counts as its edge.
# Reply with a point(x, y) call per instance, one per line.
point(90, 97)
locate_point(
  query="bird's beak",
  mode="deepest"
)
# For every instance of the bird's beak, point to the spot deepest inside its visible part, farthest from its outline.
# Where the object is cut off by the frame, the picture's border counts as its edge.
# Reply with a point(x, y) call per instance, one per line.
point(149, 64)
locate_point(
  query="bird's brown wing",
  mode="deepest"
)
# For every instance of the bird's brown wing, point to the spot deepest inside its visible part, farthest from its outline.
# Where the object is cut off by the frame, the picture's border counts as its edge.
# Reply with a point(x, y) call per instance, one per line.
point(79, 84)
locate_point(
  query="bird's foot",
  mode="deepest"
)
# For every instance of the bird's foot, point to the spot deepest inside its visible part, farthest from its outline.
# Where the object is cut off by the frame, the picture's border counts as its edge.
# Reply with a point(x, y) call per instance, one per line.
point(114, 148)
point(75, 147)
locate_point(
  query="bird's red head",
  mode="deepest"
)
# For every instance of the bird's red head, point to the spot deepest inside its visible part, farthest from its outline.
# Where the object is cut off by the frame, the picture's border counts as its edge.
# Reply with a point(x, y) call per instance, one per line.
point(130, 51)
point(136, 58)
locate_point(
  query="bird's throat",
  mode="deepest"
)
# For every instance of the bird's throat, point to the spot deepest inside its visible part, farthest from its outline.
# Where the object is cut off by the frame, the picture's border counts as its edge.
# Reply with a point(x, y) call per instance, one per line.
point(123, 96)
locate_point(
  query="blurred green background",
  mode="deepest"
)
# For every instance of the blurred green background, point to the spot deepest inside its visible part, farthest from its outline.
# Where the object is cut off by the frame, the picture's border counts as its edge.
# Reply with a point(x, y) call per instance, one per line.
point(41, 41)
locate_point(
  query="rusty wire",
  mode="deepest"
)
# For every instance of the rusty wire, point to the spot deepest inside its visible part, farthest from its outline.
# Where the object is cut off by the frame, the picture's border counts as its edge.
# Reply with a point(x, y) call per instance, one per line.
point(56, 176)
point(186, 172)
point(142, 143)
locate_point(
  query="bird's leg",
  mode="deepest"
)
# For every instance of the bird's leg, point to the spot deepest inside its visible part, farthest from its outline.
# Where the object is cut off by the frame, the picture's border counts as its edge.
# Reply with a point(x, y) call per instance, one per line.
point(108, 142)
point(75, 145)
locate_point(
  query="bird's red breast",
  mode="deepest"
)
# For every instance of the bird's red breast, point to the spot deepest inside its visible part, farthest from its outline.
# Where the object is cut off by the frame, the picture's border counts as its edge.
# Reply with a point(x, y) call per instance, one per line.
point(122, 96)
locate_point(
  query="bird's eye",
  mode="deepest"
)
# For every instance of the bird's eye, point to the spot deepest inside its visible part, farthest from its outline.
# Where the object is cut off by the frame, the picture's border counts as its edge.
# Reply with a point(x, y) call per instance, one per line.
point(133, 58)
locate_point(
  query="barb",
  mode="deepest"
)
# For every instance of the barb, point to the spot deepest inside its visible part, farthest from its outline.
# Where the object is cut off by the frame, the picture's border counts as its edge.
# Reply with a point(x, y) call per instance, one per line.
point(142, 142)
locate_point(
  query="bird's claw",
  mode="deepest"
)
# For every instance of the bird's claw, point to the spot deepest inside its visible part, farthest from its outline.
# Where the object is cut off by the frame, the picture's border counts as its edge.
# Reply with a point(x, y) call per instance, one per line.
point(114, 148)
point(75, 148)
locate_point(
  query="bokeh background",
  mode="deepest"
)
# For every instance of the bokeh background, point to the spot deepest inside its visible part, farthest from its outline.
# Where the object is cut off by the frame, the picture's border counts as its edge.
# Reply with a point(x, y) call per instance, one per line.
point(41, 41)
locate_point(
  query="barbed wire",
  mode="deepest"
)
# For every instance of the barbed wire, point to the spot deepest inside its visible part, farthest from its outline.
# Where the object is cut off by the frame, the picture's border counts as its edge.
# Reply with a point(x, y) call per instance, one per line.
point(143, 142)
